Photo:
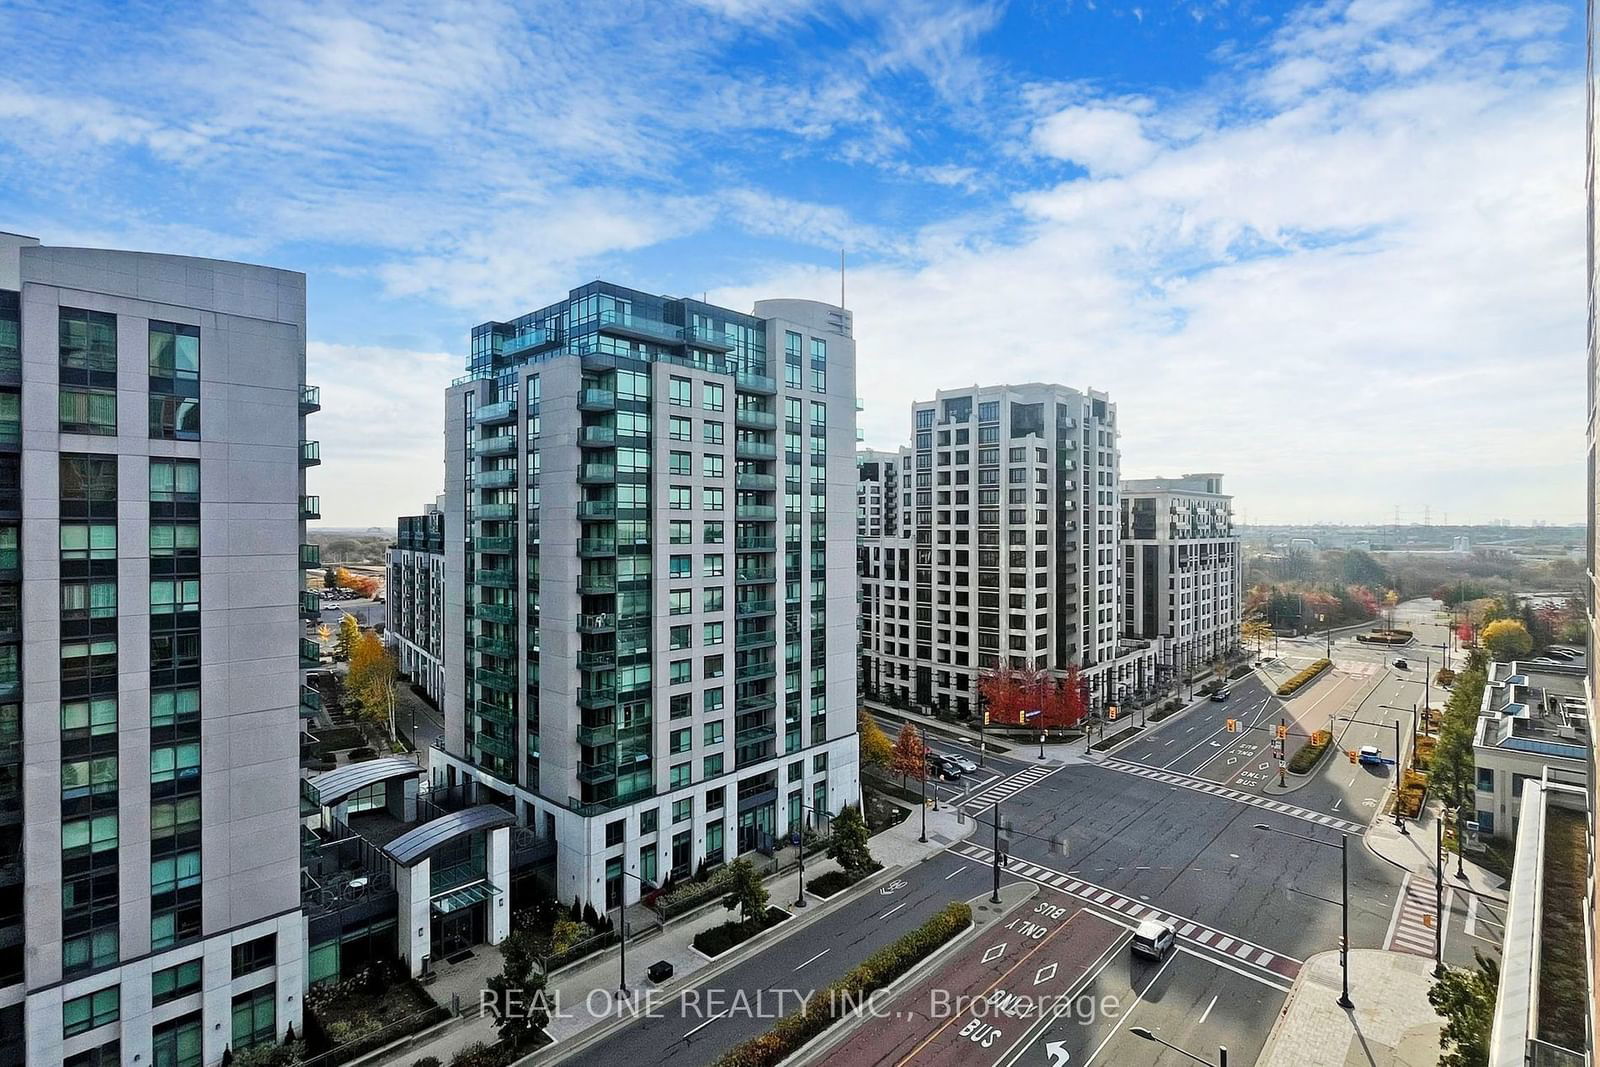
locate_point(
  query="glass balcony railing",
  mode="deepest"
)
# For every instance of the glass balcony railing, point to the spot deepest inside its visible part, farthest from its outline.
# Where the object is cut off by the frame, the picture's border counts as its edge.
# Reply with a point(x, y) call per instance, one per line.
point(597, 583)
point(495, 578)
point(595, 699)
point(756, 512)
point(755, 639)
point(597, 509)
point(597, 735)
point(310, 399)
point(310, 605)
point(528, 339)
point(761, 482)
point(310, 701)
point(495, 544)
point(495, 512)
point(310, 556)
point(597, 473)
point(754, 450)
point(597, 437)
point(493, 745)
point(756, 383)
point(755, 420)
point(501, 445)
point(310, 653)
point(596, 659)
point(597, 400)
point(756, 575)
point(495, 646)
point(502, 613)
point(615, 321)
point(596, 773)
point(751, 608)
point(754, 543)
point(490, 414)
point(501, 680)
point(597, 623)
point(707, 337)
point(310, 453)
point(310, 507)
point(591, 547)
point(500, 479)
point(754, 670)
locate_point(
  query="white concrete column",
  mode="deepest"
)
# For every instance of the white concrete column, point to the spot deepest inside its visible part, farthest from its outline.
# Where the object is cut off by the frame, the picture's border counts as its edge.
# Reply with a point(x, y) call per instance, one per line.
point(413, 888)
point(499, 860)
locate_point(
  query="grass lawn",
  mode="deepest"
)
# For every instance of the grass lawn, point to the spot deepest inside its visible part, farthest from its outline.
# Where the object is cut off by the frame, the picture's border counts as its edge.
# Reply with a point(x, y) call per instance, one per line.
point(719, 939)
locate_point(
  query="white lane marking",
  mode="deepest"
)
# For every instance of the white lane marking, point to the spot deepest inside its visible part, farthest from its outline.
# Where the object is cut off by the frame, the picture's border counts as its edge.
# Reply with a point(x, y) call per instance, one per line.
point(703, 1025)
point(894, 909)
point(1129, 1013)
point(1240, 971)
point(817, 957)
point(1205, 1014)
point(1471, 925)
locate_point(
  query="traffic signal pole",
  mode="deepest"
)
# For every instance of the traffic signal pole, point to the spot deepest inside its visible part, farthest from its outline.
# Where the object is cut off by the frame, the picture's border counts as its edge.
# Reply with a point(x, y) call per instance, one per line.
point(995, 899)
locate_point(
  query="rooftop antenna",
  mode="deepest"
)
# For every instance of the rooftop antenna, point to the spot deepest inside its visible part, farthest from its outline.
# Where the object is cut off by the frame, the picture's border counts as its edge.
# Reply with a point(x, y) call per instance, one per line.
point(841, 279)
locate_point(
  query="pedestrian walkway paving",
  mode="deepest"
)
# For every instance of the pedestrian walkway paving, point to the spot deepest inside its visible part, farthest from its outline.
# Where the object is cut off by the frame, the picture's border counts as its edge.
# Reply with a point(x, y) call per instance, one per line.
point(1007, 788)
point(1191, 934)
point(1412, 927)
point(1356, 668)
point(1391, 1025)
point(1255, 800)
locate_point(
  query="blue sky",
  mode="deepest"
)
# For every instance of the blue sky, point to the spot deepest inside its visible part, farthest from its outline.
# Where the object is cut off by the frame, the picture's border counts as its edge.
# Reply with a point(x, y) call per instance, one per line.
point(1332, 249)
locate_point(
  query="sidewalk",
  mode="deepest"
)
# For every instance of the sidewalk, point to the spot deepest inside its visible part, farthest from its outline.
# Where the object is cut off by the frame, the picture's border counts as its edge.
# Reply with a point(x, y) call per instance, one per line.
point(1391, 1025)
point(1413, 852)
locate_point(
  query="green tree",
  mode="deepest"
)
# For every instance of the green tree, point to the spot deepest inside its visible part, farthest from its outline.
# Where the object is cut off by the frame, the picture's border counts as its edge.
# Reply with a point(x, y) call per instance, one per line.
point(1360, 568)
point(876, 748)
point(373, 678)
point(1452, 769)
point(848, 845)
point(518, 1002)
point(349, 633)
point(745, 892)
point(1506, 639)
point(1465, 1000)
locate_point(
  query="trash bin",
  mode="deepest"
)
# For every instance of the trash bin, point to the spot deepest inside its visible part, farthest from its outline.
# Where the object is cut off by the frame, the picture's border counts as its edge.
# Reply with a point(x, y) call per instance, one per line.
point(660, 971)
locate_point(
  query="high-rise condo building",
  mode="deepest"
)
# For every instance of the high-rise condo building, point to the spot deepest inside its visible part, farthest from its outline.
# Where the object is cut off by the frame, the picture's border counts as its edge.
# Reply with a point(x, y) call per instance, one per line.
point(415, 593)
point(1183, 573)
point(650, 601)
point(152, 503)
point(1004, 549)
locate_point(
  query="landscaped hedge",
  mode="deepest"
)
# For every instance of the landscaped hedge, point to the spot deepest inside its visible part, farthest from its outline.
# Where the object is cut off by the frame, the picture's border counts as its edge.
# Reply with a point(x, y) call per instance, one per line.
point(1385, 637)
point(838, 999)
point(1308, 754)
point(1298, 681)
point(691, 895)
point(1238, 672)
point(719, 939)
point(826, 885)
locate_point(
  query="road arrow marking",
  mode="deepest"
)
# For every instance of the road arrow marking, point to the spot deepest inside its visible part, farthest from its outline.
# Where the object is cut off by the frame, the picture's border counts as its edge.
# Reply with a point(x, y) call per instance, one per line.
point(1058, 1054)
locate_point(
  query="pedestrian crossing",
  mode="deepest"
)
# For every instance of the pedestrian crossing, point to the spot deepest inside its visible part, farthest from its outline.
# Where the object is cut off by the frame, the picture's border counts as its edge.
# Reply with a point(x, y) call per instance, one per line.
point(1236, 950)
point(1357, 668)
point(1265, 803)
point(1007, 788)
point(1411, 928)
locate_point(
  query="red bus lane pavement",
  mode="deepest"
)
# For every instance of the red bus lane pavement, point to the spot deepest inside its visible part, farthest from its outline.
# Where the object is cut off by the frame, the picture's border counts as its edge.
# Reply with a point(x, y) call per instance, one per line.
point(1016, 974)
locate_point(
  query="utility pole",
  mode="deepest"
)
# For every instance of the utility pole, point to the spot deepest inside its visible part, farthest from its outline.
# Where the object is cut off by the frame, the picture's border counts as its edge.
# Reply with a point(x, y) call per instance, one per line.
point(995, 899)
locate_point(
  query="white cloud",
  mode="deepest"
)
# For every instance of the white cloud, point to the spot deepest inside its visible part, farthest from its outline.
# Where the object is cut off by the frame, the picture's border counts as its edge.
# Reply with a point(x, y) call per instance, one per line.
point(1103, 140)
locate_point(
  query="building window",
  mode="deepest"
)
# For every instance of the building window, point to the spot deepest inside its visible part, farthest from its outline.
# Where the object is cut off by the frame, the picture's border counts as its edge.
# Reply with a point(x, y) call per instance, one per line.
point(616, 832)
point(174, 353)
point(712, 633)
point(87, 411)
point(177, 1043)
point(173, 707)
point(168, 597)
point(175, 982)
point(680, 602)
point(711, 393)
point(175, 481)
point(648, 820)
point(711, 466)
point(82, 1014)
point(678, 777)
point(711, 499)
point(713, 733)
point(106, 1055)
point(172, 418)
point(255, 955)
point(713, 565)
point(87, 345)
point(712, 765)
point(679, 672)
point(681, 740)
point(713, 532)
point(255, 1018)
point(681, 393)
point(682, 810)
point(680, 567)
point(82, 541)
point(678, 463)
point(85, 719)
point(680, 532)
point(680, 637)
point(819, 365)
point(88, 600)
point(680, 498)
point(680, 428)
point(713, 432)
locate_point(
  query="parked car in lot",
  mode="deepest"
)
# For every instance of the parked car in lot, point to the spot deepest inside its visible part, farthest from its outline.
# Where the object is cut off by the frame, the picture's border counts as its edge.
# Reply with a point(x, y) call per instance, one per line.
point(1369, 755)
point(1154, 939)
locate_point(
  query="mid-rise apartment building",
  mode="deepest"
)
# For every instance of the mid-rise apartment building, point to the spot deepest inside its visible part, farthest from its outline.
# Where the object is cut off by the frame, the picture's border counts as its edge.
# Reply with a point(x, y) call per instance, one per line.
point(650, 598)
point(1183, 572)
point(877, 493)
point(1005, 551)
point(152, 504)
point(415, 592)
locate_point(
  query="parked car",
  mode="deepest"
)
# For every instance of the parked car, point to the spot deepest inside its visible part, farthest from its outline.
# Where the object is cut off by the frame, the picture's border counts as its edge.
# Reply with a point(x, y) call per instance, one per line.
point(1369, 755)
point(1220, 695)
point(964, 764)
point(1154, 939)
point(941, 767)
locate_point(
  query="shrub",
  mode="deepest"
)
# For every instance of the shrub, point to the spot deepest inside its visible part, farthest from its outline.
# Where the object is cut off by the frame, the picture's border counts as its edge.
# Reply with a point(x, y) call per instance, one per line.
point(1239, 672)
point(1446, 676)
point(1300, 680)
point(873, 973)
point(1309, 753)
point(427, 1061)
point(826, 885)
point(719, 939)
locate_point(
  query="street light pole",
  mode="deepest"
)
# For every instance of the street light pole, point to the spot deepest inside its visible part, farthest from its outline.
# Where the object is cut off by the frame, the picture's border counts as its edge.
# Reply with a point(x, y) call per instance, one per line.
point(995, 898)
point(622, 926)
point(1438, 896)
point(924, 838)
point(1344, 901)
point(1144, 1032)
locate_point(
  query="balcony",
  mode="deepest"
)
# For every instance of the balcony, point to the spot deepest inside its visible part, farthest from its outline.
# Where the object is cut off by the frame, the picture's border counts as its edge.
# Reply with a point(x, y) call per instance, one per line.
point(765, 482)
point(706, 337)
point(495, 646)
point(597, 699)
point(754, 450)
point(596, 773)
point(1068, 485)
point(754, 670)
point(495, 544)
point(529, 338)
point(500, 479)
point(597, 547)
point(756, 512)
point(602, 622)
point(756, 383)
point(495, 578)
point(755, 735)
point(749, 609)
point(310, 701)
point(754, 543)
point(501, 613)
point(600, 734)
point(597, 400)
point(502, 445)
point(752, 419)
point(597, 509)
point(501, 680)
point(310, 654)
point(626, 324)
point(310, 556)
point(310, 399)
point(310, 508)
point(597, 474)
point(495, 414)
point(597, 437)
point(756, 575)
point(757, 639)
point(493, 745)
point(597, 584)
point(310, 605)
point(592, 659)
point(495, 512)
point(310, 453)
point(756, 702)
point(494, 713)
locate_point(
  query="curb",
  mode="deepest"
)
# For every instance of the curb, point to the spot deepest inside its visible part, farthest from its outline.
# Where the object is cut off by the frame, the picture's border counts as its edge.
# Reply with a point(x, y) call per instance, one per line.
point(836, 1035)
point(562, 1051)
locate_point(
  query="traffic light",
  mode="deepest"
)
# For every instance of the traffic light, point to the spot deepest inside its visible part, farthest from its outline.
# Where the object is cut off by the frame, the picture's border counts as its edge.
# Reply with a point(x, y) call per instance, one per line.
point(1111, 712)
point(1283, 731)
point(1233, 726)
point(1352, 754)
point(986, 718)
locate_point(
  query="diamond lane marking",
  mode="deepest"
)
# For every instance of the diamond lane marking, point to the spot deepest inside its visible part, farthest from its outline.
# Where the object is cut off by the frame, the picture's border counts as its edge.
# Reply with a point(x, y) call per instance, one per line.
point(1046, 973)
point(994, 953)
